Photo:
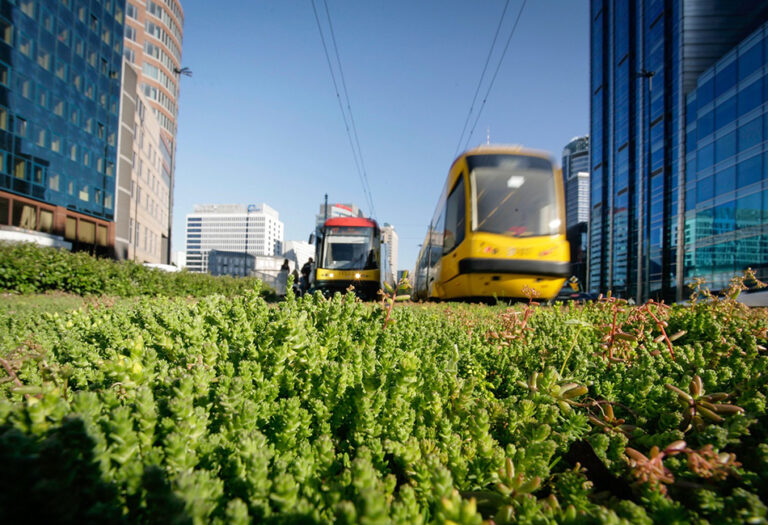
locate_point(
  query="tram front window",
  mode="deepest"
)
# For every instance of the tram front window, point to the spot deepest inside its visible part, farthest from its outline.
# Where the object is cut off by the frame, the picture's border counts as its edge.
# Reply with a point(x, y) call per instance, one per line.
point(349, 249)
point(514, 202)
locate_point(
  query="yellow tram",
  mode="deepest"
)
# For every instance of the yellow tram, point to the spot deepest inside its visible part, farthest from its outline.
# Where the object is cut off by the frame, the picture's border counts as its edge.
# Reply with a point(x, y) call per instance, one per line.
point(498, 230)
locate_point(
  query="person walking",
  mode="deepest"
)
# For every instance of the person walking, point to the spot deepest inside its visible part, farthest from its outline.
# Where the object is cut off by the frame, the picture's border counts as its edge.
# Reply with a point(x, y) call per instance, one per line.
point(282, 278)
point(306, 270)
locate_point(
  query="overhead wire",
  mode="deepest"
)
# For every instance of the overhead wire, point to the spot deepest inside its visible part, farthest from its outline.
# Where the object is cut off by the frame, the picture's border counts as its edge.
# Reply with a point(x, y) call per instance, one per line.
point(356, 151)
point(495, 74)
point(482, 76)
point(367, 186)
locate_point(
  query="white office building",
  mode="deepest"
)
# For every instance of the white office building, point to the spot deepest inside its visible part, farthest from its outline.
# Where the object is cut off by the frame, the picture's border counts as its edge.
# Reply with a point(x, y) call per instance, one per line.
point(389, 237)
point(254, 229)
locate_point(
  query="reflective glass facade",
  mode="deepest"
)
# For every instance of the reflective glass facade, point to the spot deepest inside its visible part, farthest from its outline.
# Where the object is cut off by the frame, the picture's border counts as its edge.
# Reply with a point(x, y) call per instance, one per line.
point(726, 197)
point(646, 56)
point(60, 63)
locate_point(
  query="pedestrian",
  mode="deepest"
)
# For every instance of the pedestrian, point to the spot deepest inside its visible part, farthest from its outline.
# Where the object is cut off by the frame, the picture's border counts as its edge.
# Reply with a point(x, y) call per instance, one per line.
point(306, 270)
point(282, 278)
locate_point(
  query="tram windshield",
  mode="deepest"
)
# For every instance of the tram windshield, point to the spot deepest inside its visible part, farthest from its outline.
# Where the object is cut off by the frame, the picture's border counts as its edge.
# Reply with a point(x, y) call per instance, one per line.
point(515, 198)
point(349, 248)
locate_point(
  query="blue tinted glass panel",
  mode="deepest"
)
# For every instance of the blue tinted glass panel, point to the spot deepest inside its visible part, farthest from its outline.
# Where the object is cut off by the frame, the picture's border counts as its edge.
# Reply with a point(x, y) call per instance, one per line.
point(749, 211)
point(750, 60)
point(690, 140)
point(704, 189)
point(690, 109)
point(724, 218)
point(725, 79)
point(706, 124)
point(704, 223)
point(690, 199)
point(725, 181)
point(750, 97)
point(725, 146)
point(706, 93)
point(725, 112)
point(704, 157)
point(750, 134)
point(749, 171)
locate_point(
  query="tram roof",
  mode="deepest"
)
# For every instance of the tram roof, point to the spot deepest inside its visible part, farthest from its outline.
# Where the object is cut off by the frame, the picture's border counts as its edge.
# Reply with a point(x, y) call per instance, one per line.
point(351, 221)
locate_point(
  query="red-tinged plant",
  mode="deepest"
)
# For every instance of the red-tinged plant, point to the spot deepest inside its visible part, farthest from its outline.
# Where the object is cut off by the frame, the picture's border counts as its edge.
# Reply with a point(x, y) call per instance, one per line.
point(608, 422)
point(650, 469)
point(700, 408)
point(706, 463)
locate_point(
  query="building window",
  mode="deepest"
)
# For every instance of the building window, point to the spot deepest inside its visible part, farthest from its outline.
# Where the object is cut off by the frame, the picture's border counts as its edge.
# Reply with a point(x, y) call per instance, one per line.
point(24, 86)
point(70, 228)
point(130, 33)
point(3, 119)
point(46, 221)
point(84, 194)
point(42, 138)
point(25, 45)
point(21, 127)
point(58, 108)
point(6, 31)
point(20, 169)
point(42, 96)
point(44, 58)
point(5, 75)
point(64, 33)
point(61, 70)
point(131, 11)
point(86, 232)
point(47, 20)
point(24, 215)
point(130, 55)
point(27, 7)
point(53, 181)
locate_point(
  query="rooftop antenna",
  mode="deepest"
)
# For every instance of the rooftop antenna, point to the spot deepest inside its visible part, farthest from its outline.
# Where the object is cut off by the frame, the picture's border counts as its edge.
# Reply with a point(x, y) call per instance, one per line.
point(488, 136)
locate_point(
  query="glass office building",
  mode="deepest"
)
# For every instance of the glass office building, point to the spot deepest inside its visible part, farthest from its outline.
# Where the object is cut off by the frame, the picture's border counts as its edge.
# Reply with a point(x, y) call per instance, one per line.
point(726, 196)
point(576, 185)
point(646, 57)
point(60, 63)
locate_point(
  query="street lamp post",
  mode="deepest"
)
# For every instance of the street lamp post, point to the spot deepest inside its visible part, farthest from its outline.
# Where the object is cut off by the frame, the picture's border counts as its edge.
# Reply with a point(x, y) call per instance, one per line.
point(647, 76)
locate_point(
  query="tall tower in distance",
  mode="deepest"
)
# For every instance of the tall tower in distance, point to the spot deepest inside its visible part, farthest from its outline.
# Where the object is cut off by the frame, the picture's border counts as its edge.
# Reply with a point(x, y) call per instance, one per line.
point(576, 185)
point(576, 181)
point(153, 42)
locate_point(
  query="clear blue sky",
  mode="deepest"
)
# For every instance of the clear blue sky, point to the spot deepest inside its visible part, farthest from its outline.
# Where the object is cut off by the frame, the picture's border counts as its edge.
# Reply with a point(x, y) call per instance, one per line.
point(259, 120)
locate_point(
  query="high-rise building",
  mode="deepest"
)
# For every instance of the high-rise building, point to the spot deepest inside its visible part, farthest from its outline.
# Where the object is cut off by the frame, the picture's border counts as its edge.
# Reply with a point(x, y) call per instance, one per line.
point(60, 68)
point(647, 56)
point(576, 185)
point(252, 229)
point(143, 185)
point(576, 181)
point(153, 44)
point(389, 237)
point(726, 186)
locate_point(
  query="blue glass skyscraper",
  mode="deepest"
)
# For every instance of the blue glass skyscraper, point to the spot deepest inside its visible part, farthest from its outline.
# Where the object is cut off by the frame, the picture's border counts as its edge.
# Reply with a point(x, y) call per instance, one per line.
point(646, 57)
point(60, 64)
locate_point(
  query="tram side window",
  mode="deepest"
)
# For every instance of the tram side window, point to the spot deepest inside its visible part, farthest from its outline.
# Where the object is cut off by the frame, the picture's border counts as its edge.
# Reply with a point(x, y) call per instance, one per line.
point(455, 218)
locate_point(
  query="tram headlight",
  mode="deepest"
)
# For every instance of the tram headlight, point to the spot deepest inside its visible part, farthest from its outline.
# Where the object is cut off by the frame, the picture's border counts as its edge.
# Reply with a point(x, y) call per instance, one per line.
point(330, 275)
point(357, 276)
